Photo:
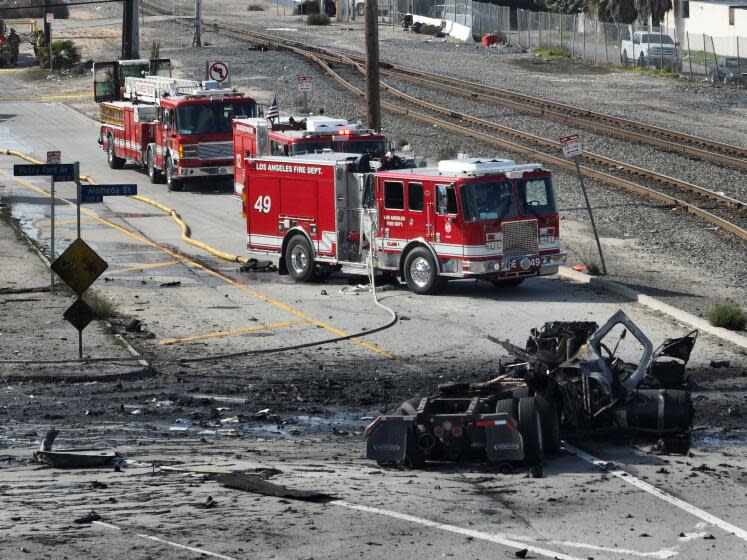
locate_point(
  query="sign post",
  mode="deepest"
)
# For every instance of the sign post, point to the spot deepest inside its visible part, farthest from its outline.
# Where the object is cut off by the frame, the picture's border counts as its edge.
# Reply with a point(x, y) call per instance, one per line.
point(573, 148)
point(52, 157)
point(304, 84)
point(50, 19)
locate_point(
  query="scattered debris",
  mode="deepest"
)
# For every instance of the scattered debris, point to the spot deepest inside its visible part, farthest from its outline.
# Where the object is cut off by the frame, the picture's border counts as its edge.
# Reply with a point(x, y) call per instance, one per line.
point(258, 485)
point(135, 325)
point(173, 284)
point(255, 265)
point(521, 553)
point(72, 458)
point(720, 363)
point(9, 291)
point(93, 516)
point(207, 504)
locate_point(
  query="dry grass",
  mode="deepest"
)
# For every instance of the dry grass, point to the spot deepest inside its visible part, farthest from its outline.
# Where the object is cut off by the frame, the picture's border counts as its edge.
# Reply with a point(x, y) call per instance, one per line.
point(101, 305)
point(728, 316)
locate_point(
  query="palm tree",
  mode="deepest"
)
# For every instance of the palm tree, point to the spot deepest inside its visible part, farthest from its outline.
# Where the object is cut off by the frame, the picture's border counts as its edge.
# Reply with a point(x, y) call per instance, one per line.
point(623, 11)
point(652, 8)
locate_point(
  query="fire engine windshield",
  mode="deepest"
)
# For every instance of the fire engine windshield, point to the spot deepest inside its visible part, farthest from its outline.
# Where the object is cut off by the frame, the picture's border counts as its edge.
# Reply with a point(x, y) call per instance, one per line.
point(204, 118)
point(536, 196)
point(299, 148)
point(375, 147)
point(487, 200)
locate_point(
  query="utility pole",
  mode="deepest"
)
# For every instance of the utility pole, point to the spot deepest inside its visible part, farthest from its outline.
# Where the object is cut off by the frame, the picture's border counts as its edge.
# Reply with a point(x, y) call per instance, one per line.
point(197, 38)
point(373, 96)
point(130, 30)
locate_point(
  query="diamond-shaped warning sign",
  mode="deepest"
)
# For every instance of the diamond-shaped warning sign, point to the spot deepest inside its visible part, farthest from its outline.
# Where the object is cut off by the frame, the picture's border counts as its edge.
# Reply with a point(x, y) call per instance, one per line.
point(79, 266)
point(79, 314)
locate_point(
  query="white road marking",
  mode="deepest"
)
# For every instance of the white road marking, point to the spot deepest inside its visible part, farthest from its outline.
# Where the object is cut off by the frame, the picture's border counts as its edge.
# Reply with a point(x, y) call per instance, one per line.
point(459, 530)
point(663, 554)
point(661, 494)
point(170, 543)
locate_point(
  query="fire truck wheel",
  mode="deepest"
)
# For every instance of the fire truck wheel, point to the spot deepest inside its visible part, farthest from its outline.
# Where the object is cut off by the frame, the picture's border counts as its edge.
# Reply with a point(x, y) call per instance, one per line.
point(299, 259)
point(111, 157)
point(153, 174)
point(548, 411)
point(421, 272)
point(172, 183)
point(521, 392)
point(530, 428)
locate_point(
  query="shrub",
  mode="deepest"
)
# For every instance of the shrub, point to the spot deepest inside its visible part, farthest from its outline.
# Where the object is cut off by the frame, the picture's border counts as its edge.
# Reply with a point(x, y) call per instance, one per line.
point(101, 306)
point(155, 50)
point(401, 142)
point(64, 54)
point(255, 8)
point(317, 19)
point(727, 316)
point(588, 254)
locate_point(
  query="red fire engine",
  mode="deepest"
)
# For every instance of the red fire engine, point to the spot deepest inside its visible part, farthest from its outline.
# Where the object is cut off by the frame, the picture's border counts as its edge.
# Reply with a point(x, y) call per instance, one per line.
point(465, 218)
point(179, 129)
point(293, 137)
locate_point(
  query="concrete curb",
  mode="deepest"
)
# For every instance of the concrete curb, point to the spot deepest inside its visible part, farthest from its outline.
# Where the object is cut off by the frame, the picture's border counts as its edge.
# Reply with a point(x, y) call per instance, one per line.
point(653, 303)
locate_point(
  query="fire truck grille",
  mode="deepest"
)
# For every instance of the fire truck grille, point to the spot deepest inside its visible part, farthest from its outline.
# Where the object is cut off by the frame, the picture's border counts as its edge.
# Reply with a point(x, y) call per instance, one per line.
point(520, 238)
point(215, 150)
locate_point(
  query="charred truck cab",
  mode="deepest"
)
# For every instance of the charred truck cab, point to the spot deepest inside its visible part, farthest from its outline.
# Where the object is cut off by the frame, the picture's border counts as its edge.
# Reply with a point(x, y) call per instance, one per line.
point(176, 129)
point(465, 218)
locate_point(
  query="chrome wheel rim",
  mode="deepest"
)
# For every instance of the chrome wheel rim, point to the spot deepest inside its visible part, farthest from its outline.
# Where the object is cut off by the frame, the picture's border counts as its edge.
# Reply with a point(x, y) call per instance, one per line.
point(299, 259)
point(420, 271)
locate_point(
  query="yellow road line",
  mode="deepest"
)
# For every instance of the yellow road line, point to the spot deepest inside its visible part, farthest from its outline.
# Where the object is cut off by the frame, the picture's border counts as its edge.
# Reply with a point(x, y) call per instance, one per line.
point(47, 97)
point(217, 334)
point(215, 273)
point(143, 266)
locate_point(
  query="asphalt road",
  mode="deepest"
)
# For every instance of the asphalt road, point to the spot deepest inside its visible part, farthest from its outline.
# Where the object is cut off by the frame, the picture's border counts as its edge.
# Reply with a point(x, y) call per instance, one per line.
point(666, 507)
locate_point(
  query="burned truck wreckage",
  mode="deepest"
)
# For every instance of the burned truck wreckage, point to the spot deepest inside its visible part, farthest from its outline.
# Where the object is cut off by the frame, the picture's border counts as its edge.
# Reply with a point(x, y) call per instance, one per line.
point(567, 383)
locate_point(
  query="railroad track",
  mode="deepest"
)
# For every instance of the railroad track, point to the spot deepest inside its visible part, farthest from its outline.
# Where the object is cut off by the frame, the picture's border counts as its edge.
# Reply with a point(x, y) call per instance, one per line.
point(323, 58)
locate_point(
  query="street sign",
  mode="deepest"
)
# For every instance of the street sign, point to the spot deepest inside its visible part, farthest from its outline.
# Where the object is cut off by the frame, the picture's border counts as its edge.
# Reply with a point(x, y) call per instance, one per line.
point(304, 83)
point(79, 266)
point(571, 145)
point(218, 70)
point(96, 193)
point(79, 314)
point(60, 171)
point(50, 16)
point(54, 157)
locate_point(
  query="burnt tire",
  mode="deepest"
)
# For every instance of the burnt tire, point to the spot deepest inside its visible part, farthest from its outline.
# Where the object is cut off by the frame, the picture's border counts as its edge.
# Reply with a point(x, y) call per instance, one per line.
point(409, 407)
point(421, 272)
point(530, 428)
point(521, 392)
point(509, 406)
point(112, 159)
point(550, 419)
point(299, 259)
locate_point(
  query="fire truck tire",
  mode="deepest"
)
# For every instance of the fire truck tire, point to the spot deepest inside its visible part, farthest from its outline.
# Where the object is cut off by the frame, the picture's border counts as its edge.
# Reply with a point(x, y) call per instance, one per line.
point(154, 175)
point(172, 183)
point(530, 428)
point(521, 392)
point(111, 157)
point(299, 258)
point(421, 272)
point(509, 406)
point(550, 418)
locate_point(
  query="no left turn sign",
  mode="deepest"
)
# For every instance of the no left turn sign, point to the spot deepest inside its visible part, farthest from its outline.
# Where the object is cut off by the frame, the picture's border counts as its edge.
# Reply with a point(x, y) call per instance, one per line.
point(218, 70)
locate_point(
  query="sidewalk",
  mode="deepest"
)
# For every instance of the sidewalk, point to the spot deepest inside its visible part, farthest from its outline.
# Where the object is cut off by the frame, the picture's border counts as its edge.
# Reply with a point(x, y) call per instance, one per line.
point(34, 330)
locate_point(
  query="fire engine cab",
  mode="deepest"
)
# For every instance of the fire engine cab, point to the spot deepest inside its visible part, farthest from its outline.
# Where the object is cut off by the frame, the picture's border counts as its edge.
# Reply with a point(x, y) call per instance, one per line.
point(299, 136)
point(466, 218)
point(177, 129)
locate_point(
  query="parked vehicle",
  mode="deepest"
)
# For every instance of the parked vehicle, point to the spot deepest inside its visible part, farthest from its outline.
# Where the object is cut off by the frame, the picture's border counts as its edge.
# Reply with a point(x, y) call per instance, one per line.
point(383, 7)
point(729, 70)
point(465, 218)
point(299, 136)
point(176, 129)
point(649, 49)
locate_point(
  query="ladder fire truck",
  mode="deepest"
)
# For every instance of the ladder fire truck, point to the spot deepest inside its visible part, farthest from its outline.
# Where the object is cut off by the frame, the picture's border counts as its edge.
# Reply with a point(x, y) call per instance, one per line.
point(465, 218)
point(298, 136)
point(176, 129)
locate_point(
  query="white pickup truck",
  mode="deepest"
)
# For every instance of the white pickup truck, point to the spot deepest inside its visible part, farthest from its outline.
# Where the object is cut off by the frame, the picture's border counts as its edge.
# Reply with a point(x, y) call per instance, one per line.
point(645, 48)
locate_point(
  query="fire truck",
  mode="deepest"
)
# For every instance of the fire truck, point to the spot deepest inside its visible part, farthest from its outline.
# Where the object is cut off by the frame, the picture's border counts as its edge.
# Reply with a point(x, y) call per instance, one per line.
point(464, 218)
point(297, 136)
point(176, 129)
